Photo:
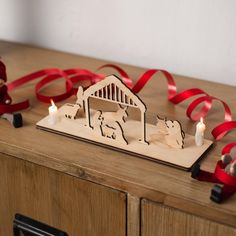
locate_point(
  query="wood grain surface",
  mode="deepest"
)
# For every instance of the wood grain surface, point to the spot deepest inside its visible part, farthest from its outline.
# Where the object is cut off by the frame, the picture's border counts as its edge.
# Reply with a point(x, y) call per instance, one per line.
point(158, 150)
point(160, 220)
point(75, 206)
point(133, 215)
point(141, 178)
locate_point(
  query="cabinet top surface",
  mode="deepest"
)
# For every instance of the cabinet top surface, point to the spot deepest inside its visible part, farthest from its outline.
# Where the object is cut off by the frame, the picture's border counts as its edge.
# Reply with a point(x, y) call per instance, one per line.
point(128, 173)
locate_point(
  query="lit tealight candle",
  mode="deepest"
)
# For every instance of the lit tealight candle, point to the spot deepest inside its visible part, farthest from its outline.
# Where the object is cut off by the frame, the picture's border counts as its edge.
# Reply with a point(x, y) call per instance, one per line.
point(53, 116)
point(199, 135)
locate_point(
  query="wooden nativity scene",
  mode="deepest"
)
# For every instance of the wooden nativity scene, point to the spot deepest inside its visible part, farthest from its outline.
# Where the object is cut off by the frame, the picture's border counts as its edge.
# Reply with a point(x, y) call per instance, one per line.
point(163, 142)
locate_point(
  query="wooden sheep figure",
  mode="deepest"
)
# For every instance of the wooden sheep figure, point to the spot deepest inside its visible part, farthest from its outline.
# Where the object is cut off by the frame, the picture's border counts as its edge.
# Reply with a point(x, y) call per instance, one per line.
point(114, 131)
point(108, 131)
point(107, 127)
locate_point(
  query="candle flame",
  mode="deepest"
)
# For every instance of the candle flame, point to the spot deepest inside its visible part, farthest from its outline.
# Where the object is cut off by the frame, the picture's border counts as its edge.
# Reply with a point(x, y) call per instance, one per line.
point(201, 120)
point(52, 102)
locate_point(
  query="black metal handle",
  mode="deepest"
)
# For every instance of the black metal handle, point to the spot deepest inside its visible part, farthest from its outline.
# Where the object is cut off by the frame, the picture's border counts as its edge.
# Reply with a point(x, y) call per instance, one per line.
point(31, 227)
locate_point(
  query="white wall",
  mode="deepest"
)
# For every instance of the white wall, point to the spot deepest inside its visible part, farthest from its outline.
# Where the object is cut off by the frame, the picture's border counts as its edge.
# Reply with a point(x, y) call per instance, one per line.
point(189, 37)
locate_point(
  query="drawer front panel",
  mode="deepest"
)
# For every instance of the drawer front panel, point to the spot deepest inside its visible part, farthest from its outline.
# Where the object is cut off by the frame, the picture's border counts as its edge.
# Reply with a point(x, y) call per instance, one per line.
point(75, 206)
point(161, 220)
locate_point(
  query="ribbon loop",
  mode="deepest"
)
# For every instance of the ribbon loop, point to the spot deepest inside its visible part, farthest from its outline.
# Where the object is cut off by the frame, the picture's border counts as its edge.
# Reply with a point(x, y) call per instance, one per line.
point(75, 75)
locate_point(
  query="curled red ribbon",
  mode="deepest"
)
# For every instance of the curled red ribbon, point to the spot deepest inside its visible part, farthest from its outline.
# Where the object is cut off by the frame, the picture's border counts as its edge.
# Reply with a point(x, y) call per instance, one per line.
point(75, 75)
point(219, 131)
point(222, 176)
point(176, 98)
point(228, 148)
point(219, 175)
point(26, 79)
point(71, 77)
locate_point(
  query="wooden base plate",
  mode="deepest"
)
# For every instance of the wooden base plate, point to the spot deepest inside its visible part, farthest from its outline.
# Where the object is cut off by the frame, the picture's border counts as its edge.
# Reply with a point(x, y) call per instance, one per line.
point(157, 150)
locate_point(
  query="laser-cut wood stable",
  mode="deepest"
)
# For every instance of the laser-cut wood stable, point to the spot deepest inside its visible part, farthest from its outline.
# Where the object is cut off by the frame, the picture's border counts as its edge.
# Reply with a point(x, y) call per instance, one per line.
point(164, 142)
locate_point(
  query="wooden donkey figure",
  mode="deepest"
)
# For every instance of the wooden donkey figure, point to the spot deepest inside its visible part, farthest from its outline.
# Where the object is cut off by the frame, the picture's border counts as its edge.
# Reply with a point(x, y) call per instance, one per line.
point(120, 115)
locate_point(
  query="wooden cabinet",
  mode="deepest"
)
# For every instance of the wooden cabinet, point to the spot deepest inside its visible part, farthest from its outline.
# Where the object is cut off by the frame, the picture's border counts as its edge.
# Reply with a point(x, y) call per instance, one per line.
point(73, 205)
point(85, 189)
point(161, 220)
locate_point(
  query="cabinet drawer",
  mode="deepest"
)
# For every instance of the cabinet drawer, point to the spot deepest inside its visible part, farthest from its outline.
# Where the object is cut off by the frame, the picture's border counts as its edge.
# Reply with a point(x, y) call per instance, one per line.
point(73, 205)
point(158, 219)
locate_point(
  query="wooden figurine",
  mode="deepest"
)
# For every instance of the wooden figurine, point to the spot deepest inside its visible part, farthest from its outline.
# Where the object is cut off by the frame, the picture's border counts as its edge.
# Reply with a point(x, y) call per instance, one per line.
point(97, 122)
point(109, 126)
point(171, 131)
point(71, 110)
point(120, 115)
point(108, 131)
point(175, 134)
point(113, 90)
point(115, 129)
point(80, 97)
point(161, 126)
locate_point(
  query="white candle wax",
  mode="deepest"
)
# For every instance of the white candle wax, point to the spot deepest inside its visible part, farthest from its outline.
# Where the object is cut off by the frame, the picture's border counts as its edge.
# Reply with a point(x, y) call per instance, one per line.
point(53, 116)
point(199, 135)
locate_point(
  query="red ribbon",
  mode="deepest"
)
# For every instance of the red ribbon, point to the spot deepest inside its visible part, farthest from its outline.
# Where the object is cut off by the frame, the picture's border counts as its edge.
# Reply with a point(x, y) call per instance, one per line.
point(219, 131)
point(222, 176)
point(71, 77)
point(228, 148)
point(75, 75)
point(176, 98)
point(219, 176)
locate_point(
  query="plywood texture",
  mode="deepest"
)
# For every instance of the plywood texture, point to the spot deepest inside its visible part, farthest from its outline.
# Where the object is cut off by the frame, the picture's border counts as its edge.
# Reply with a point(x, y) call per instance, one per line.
point(157, 150)
point(76, 206)
point(139, 177)
point(160, 220)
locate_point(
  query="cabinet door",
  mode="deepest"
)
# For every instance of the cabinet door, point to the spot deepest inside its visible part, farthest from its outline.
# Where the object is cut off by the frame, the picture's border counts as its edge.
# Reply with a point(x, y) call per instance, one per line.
point(75, 206)
point(158, 220)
